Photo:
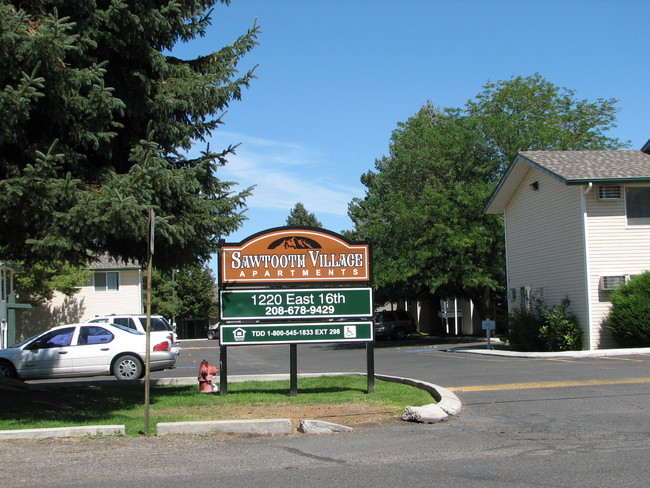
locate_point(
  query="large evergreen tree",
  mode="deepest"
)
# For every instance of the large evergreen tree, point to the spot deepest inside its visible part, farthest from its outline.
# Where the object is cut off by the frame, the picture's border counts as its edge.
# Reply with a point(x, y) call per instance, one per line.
point(95, 118)
point(423, 203)
point(299, 215)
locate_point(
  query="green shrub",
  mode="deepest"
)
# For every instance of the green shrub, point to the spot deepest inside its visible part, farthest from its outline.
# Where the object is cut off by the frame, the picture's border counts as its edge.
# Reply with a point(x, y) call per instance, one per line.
point(560, 331)
point(523, 330)
point(539, 328)
point(629, 317)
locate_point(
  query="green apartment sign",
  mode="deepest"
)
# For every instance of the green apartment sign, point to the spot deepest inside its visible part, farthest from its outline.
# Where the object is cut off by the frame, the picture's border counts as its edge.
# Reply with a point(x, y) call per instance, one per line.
point(296, 303)
point(289, 333)
point(295, 285)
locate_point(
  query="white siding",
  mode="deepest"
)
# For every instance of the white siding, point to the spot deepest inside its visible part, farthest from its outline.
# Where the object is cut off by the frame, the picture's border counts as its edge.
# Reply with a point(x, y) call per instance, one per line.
point(127, 300)
point(83, 305)
point(614, 249)
point(545, 243)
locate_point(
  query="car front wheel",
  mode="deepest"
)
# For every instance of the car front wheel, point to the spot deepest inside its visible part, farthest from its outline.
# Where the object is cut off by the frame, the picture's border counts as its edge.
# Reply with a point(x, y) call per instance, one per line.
point(7, 370)
point(211, 335)
point(399, 334)
point(127, 368)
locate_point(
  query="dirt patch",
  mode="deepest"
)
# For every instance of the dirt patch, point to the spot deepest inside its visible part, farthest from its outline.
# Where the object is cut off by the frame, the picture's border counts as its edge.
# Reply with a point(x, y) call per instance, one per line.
point(350, 414)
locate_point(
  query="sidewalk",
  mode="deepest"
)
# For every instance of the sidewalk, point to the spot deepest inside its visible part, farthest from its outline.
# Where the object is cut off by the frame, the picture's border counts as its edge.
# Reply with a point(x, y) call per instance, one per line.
point(498, 350)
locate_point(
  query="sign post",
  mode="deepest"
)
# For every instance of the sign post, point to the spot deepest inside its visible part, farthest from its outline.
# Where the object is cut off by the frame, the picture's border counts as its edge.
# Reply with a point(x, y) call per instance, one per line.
point(147, 362)
point(489, 326)
point(295, 285)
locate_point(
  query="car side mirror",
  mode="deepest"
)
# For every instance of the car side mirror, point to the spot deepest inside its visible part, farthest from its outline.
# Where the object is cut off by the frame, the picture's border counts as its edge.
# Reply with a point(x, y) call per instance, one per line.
point(35, 345)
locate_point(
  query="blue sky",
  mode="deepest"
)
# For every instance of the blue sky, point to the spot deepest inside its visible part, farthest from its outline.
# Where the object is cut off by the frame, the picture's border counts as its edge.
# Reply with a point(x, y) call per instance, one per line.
point(336, 76)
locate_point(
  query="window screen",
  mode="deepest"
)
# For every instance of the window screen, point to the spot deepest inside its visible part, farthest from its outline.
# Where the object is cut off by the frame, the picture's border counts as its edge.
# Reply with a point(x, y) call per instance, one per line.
point(107, 281)
point(637, 205)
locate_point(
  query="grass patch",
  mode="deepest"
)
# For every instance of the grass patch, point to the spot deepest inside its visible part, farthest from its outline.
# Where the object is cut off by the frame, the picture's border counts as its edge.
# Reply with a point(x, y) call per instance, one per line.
point(327, 398)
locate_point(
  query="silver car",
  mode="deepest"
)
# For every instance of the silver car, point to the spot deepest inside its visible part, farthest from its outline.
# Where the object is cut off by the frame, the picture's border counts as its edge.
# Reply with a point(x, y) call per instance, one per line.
point(85, 350)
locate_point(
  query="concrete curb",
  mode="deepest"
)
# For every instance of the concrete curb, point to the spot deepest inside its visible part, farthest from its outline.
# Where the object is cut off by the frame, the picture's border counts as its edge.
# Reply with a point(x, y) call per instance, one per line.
point(255, 427)
point(560, 354)
point(321, 427)
point(448, 403)
point(52, 433)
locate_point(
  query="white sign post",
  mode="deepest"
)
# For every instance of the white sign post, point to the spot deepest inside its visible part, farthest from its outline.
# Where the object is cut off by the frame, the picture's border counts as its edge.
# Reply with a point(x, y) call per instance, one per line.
point(489, 326)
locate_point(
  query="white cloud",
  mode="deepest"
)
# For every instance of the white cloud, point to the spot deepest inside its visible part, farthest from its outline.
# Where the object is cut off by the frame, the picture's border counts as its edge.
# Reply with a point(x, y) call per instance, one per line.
point(285, 173)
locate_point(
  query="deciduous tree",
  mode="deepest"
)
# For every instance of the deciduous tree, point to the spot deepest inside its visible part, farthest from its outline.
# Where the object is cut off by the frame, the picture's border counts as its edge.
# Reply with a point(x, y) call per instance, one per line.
point(188, 292)
point(529, 113)
point(423, 210)
point(423, 203)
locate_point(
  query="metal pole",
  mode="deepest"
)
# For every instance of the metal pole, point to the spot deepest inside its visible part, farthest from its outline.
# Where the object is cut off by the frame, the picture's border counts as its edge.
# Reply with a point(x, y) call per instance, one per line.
point(293, 368)
point(370, 359)
point(174, 300)
point(223, 370)
point(147, 361)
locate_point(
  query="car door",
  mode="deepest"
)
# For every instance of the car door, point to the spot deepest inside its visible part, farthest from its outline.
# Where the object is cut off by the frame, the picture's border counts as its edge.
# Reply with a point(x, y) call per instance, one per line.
point(389, 322)
point(94, 350)
point(48, 356)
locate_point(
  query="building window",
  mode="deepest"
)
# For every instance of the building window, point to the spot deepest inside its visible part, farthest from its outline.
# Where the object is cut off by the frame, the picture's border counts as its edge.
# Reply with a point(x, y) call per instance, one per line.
point(637, 205)
point(525, 297)
point(107, 281)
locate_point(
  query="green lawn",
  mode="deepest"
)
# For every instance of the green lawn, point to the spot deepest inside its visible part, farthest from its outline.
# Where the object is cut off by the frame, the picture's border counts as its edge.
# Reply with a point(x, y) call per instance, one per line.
point(123, 403)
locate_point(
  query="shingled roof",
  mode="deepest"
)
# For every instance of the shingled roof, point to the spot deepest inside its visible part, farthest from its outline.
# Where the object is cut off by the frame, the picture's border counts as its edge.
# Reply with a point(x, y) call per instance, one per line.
point(572, 168)
point(106, 262)
point(579, 167)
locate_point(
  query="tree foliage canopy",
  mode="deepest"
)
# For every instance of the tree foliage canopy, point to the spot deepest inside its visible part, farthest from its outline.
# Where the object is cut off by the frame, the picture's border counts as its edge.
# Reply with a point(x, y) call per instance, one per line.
point(423, 205)
point(423, 210)
point(95, 118)
point(532, 114)
point(184, 293)
point(299, 215)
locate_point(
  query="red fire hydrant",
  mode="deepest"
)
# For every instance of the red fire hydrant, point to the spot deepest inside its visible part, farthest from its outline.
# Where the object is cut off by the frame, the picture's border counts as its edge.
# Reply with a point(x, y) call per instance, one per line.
point(206, 374)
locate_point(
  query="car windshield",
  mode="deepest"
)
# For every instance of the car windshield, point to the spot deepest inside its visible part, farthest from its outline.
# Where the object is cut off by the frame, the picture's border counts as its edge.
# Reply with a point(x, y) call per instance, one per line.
point(33, 338)
point(22, 343)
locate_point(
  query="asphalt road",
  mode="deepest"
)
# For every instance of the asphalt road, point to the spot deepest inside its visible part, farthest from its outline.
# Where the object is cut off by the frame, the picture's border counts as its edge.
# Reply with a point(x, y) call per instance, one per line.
point(551, 422)
point(420, 359)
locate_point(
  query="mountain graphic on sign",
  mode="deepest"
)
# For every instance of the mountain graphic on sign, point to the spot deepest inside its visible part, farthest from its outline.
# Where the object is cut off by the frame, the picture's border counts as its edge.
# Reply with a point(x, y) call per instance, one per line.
point(295, 242)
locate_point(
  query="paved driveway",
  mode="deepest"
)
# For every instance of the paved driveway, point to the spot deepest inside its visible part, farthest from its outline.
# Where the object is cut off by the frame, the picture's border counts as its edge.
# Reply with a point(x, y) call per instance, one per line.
point(543, 422)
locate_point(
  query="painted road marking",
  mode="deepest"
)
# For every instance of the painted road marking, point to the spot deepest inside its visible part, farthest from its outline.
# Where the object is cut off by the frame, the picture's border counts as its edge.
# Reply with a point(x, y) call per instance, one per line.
point(625, 359)
point(466, 357)
point(548, 384)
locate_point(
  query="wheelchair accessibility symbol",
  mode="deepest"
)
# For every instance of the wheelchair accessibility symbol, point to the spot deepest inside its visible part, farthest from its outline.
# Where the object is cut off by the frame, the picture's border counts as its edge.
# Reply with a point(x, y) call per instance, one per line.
point(350, 331)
